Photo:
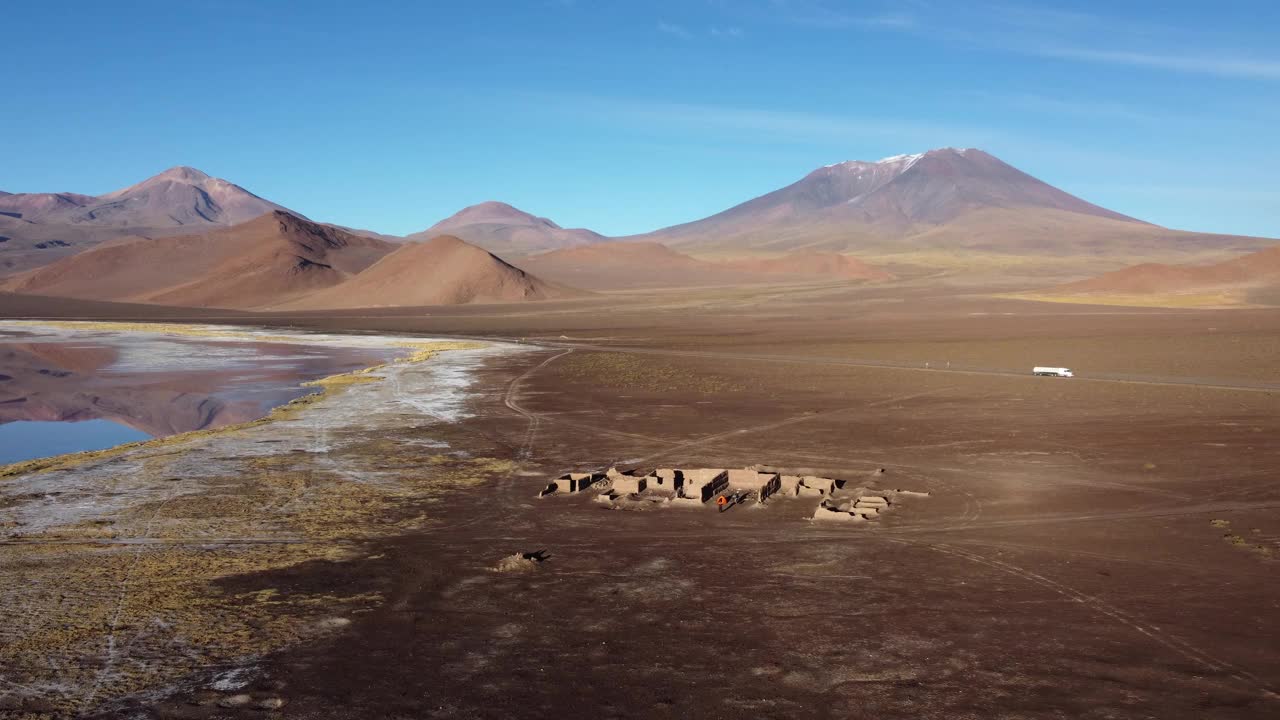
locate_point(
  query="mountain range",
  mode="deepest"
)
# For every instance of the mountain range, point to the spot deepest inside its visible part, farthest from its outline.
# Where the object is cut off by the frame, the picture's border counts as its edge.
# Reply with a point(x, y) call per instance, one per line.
point(185, 238)
point(42, 227)
point(281, 260)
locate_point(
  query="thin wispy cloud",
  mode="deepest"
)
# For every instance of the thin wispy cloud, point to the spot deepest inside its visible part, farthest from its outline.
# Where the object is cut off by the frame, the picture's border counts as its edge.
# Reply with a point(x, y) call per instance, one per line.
point(899, 21)
point(1078, 107)
point(716, 31)
point(1042, 32)
point(1097, 40)
point(815, 13)
point(766, 128)
point(763, 124)
point(1262, 69)
point(674, 30)
point(1038, 17)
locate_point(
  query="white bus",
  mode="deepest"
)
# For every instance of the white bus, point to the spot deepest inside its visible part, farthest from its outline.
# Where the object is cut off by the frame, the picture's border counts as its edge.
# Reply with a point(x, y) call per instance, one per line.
point(1052, 371)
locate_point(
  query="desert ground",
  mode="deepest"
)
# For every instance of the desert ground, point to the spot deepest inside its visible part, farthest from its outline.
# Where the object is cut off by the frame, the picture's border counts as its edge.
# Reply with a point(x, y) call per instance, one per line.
point(1097, 547)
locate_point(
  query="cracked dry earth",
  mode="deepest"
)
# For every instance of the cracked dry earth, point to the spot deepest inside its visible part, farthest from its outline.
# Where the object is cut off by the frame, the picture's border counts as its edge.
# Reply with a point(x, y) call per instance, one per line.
point(128, 576)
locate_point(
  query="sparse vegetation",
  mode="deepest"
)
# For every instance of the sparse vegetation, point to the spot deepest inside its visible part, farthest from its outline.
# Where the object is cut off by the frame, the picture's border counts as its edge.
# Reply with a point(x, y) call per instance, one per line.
point(632, 373)
point(1239, 541)
point(1222, 299)
point(151, 576)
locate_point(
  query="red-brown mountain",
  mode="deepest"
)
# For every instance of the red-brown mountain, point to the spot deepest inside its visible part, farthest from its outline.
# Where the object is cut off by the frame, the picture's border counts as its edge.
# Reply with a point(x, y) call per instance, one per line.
point(441, 271)
point(501, 228)
point(938, 201)
point(42, 227)
point(627, 265)
point(278, 261)
point(269, 260)
point(1261, 268)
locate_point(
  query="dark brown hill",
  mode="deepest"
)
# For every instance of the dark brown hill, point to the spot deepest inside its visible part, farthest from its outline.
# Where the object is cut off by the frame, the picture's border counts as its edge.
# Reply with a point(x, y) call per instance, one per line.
point(269, 260)
point(441, 271)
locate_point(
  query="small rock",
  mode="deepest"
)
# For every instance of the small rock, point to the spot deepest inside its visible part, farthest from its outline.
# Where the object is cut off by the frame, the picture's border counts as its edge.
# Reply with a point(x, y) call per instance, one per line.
point(333, 623)
point(235, 701)
point(516, 563)
point(274, 703)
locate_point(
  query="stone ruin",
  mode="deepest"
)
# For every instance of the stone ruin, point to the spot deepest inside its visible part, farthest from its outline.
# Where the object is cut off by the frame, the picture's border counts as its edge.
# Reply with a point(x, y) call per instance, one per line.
point(838, 500)
point(852, 509)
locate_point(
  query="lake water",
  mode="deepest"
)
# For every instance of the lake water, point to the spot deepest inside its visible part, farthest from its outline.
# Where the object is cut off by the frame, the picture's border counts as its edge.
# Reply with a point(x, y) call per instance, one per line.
point(30, 439)
point(67, 389)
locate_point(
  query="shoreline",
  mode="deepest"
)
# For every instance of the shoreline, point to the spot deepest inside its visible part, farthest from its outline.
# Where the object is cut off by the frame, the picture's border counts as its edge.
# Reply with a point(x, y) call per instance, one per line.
point(203, 548)
point(328, 386)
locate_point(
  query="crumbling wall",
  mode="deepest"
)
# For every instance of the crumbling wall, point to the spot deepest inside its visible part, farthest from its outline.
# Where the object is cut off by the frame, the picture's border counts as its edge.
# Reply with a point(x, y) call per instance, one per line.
point(637, 489)
point(571, 483)
point(626, 484)
point(760, 484)
point(704, 483)
point(824, 486)
point(668, 479)
point(824, 513)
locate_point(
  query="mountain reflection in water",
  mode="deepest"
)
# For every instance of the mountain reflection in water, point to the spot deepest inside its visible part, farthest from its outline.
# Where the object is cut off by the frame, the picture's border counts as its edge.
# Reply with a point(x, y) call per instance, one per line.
point(146, 386)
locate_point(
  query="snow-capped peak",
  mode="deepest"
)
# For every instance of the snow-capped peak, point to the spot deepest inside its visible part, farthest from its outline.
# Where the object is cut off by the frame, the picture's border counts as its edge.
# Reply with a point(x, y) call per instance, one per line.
point(906, 160)
point(898, 158)
point(903, 162)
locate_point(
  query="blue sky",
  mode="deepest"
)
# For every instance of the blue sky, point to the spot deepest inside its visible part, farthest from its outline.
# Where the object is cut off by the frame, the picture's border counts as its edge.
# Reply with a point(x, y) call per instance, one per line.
point(628, 116)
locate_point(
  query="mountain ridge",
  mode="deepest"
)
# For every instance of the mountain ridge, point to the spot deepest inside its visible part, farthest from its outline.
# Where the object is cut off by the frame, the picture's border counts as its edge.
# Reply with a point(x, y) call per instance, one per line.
point(444, 270)
point(502, 228)
point(248, 265)
point(282, 260)
point(947, 200)
point(1257, 268)
point(43, 227)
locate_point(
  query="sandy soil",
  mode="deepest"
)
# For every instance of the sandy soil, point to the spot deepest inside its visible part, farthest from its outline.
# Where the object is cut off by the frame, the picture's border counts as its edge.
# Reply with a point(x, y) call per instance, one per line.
point(1102, 547)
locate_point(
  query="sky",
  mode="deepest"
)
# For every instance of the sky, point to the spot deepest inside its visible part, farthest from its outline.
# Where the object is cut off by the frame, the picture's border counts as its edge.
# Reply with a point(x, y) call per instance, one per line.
point(629, 116)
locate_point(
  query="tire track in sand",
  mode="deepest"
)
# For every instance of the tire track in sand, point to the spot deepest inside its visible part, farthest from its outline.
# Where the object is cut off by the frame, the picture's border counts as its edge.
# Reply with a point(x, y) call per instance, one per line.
point(793, 420)
point(525, 450)
point(1102, 607)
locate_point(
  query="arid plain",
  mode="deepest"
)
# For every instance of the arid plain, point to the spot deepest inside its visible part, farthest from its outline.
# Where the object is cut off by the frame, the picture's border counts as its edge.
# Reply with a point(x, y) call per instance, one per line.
point(1103, 546)
point(566, 360)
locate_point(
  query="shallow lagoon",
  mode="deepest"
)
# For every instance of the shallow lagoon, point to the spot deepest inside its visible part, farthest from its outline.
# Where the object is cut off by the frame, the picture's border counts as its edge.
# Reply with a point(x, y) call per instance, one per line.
point(30, 439)
point(65, 388)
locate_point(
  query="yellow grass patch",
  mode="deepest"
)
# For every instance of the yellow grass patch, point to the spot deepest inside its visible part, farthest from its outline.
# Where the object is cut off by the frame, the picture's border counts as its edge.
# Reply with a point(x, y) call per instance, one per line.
point(632, 373)
point(1208, 300)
